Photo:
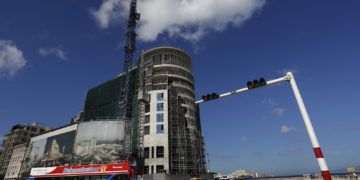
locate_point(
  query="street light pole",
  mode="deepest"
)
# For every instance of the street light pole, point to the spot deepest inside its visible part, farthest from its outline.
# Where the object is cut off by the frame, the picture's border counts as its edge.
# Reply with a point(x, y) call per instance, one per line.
point(315, 144)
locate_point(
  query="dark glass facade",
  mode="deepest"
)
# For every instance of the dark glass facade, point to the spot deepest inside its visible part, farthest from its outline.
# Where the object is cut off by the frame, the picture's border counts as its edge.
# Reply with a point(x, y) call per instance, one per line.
point(106, 101)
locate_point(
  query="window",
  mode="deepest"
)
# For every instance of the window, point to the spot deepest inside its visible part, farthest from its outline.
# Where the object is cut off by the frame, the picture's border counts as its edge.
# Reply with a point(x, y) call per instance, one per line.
point(152, 152)
point(167, 57)
point(146, 130)
point(34, 129)
point(147, 107)
point(147, 119)
point(185, 110)
point(152, 169)
point(160, 106)
point(159, 129)
point(159, 169)
point(160, 117)
point(159, 151)
point(146, 169)
point(160, 96)
point(146, 152)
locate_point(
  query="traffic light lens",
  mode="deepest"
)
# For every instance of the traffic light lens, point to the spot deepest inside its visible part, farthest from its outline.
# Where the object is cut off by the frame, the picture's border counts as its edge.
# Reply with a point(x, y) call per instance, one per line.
point(256, 83)
point(249, 85)
point(204, 98)
point(210, 96)
point(262, 82)
point(214, 95)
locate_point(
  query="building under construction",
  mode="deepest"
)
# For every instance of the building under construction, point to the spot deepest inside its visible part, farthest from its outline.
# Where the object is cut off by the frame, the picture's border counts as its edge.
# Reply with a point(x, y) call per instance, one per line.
point(162, 124)
point(170, 132)
point(162, 121)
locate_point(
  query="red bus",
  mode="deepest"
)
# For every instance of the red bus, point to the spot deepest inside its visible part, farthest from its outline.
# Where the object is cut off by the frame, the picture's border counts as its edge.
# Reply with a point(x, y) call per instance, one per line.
point(114, 171)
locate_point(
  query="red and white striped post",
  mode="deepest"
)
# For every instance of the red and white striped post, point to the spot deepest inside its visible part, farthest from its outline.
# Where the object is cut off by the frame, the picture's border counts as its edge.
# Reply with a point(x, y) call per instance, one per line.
point(316, 147)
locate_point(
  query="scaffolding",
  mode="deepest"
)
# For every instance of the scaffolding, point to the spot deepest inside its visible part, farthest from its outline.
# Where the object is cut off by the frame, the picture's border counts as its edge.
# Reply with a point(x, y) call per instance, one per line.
point(108, 102)
point(186, 145)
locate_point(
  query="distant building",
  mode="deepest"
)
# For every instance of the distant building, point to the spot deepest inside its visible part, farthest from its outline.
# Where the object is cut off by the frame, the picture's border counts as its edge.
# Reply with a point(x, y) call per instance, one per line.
point(19, 134)
point(16, 160)
point(241, 173)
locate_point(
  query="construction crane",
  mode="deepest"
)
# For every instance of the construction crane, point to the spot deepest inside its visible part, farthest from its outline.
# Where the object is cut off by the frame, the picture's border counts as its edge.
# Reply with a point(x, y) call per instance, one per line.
point(130, 46)
point(129, 49)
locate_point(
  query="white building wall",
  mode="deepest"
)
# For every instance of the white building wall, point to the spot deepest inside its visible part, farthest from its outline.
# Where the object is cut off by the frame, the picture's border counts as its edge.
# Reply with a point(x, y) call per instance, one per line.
point(155, 139)
point(13, 170)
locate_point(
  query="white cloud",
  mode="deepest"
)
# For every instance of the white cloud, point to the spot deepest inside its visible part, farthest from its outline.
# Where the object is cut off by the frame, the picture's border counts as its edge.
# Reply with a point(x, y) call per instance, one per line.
point(188, 19)
point(58, 52)
point(110, 11)
point(287, 129)
point(244, 139)
point(269, 102)
point(279, 111)
point(11, 59)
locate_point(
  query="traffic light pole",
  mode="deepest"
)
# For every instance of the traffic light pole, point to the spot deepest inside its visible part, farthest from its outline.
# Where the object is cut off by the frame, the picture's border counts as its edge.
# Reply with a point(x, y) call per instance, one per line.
point(315, 144)
point(272, 82)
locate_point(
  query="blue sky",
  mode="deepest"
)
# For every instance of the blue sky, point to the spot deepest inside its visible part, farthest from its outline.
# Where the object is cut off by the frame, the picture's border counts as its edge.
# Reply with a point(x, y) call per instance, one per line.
point(52, 52)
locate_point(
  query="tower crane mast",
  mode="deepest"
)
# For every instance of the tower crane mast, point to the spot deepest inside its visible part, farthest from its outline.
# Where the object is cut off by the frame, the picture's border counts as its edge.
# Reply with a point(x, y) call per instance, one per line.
point(130, 44)
point(129, 50)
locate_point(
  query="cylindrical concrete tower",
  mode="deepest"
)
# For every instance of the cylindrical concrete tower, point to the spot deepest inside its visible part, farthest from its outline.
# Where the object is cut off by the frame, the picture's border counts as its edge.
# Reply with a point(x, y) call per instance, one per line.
point(170, 132)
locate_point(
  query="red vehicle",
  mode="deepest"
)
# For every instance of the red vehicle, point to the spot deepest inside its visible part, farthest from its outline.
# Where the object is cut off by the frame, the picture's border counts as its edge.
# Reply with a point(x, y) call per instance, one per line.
point(115, 171)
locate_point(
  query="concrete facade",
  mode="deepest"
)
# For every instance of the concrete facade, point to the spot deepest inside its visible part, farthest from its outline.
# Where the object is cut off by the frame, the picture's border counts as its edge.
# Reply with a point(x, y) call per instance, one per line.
point(19, 134)
point(158, 134)
point(16, 160)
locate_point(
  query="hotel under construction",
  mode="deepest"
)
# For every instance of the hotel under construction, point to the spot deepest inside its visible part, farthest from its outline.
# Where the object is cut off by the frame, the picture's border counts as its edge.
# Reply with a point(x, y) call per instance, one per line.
point(158, 122)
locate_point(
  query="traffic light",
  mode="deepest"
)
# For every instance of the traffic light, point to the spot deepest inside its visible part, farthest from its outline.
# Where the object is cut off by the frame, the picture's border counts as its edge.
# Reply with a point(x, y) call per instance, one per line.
point(210, 96)
point(256, 83)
